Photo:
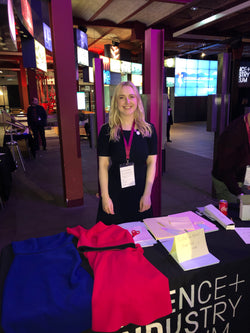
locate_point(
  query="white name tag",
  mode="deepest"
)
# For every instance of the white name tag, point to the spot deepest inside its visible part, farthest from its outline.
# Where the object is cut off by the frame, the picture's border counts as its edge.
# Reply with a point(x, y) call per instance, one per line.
point(127, 174)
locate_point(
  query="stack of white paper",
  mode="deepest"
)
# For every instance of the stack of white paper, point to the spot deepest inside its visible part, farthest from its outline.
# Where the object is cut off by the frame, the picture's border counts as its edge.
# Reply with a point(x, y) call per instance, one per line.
point(140, 233)
point(165, 227)
point(219, 217)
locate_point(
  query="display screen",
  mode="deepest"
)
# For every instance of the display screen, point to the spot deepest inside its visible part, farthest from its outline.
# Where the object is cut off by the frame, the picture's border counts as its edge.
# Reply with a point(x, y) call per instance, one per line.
point(91, 74)
point(169, 81)
point(106, 77)
point(81, 39)
point(244, 74)
point(115, 78)
point(81, 104)
point(40, 54)
point(137, 80)
point(136, 68)
point(82, 56)
point(126, 67)
point(195, 77)
point(115, 66)
point(47, 37)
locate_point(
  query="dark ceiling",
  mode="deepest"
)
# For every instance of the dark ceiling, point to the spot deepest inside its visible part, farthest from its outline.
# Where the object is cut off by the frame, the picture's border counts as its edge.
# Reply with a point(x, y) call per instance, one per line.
point(190, 27)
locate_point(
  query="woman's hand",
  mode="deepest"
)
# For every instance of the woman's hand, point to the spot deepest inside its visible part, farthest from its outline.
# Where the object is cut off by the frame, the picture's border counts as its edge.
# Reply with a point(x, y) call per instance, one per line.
point(145, 203)
point(107, 205)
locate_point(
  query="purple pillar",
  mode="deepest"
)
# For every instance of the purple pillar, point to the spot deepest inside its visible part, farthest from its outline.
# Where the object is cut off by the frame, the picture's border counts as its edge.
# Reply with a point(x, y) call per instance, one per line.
point(68, 118)
point(153, 84)
point(99, 94)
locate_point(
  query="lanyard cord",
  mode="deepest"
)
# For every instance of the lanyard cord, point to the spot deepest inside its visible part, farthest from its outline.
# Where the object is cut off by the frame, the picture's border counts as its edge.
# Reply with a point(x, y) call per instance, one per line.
point(128, 145)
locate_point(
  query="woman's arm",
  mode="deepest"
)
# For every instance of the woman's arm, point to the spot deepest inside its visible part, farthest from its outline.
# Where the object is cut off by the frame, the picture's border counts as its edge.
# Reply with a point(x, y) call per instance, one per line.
point(107, 204)
point(145, 202)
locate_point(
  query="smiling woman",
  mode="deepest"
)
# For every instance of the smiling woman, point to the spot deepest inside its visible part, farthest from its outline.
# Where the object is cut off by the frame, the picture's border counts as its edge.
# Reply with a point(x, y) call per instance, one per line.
point(127, 150)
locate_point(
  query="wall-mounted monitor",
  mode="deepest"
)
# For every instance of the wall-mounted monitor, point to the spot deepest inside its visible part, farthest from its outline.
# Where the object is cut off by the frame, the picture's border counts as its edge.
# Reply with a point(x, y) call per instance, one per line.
point(91, 74)
point(126, 67)
point(47, 37)
point(82, 56)
point(195, 77)
point(169, 82)
point(40, 55)
point(115, 78)
point(115, 66)
point(137, 80)
point(244, 74)
point(136, 68)
point(81, 39)
point(106, 77)
point(81, 102)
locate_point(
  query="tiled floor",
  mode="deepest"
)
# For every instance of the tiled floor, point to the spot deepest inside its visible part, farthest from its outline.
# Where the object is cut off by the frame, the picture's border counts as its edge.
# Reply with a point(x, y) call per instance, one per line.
point(36, 208)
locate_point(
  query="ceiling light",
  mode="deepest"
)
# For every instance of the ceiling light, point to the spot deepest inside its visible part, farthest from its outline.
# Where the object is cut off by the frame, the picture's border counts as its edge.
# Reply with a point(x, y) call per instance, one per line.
point(203, 55)
point(194, 8)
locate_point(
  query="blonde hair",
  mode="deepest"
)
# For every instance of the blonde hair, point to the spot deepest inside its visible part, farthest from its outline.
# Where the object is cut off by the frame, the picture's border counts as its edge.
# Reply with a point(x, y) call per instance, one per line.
point(139, 115)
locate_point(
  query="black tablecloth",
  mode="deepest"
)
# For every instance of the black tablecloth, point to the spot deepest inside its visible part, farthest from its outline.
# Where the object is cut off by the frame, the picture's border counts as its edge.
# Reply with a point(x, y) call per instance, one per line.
point(212, 299)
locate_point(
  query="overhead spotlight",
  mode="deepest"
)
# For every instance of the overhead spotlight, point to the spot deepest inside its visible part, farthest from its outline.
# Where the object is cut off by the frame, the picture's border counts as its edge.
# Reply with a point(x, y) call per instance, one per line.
point(203, 54)
point(194, 8)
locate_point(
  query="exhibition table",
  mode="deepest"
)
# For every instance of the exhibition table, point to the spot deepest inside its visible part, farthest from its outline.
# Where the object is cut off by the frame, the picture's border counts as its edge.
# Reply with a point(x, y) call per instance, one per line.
point(212, 299)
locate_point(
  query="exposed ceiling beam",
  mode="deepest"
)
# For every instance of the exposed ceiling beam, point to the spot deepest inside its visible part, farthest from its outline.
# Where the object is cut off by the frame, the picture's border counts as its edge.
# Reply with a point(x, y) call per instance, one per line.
point(212, 18)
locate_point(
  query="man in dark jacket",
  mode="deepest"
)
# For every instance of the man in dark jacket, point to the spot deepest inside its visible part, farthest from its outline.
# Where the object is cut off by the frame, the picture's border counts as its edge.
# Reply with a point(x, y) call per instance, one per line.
point(232, 158)
point(37, 120)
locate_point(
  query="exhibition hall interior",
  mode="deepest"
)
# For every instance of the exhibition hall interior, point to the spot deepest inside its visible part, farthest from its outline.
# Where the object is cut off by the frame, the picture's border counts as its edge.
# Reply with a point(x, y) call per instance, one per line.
point(187, 57)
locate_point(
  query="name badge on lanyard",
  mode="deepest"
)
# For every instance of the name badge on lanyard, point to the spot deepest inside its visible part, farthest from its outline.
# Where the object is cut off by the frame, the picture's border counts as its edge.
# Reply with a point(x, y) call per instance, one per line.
point(127, 174)
point(127, 170)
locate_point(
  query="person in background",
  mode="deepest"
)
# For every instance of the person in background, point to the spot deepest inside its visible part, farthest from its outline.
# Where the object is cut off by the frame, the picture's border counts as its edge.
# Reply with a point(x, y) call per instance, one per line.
point(232, 158)
point(37, 120)
point(127, 152)
point(169, 121)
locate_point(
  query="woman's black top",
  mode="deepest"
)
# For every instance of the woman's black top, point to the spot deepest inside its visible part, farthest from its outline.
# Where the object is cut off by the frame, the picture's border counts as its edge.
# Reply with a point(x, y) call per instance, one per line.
point(126, 200)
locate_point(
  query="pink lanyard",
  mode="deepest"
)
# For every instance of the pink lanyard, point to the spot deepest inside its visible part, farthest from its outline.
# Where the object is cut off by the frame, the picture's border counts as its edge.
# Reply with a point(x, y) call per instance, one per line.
point(247, 127)
point(128, 145)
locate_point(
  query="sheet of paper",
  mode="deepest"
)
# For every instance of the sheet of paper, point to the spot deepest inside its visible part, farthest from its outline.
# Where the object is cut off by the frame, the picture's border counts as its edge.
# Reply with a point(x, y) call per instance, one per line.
point(244, 233)
point(189, 246)
point(167, 227)
point(197, 221)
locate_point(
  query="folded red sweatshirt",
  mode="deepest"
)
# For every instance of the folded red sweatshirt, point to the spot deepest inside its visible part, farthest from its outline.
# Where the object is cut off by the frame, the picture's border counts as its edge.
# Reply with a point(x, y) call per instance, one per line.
point(128, 289)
